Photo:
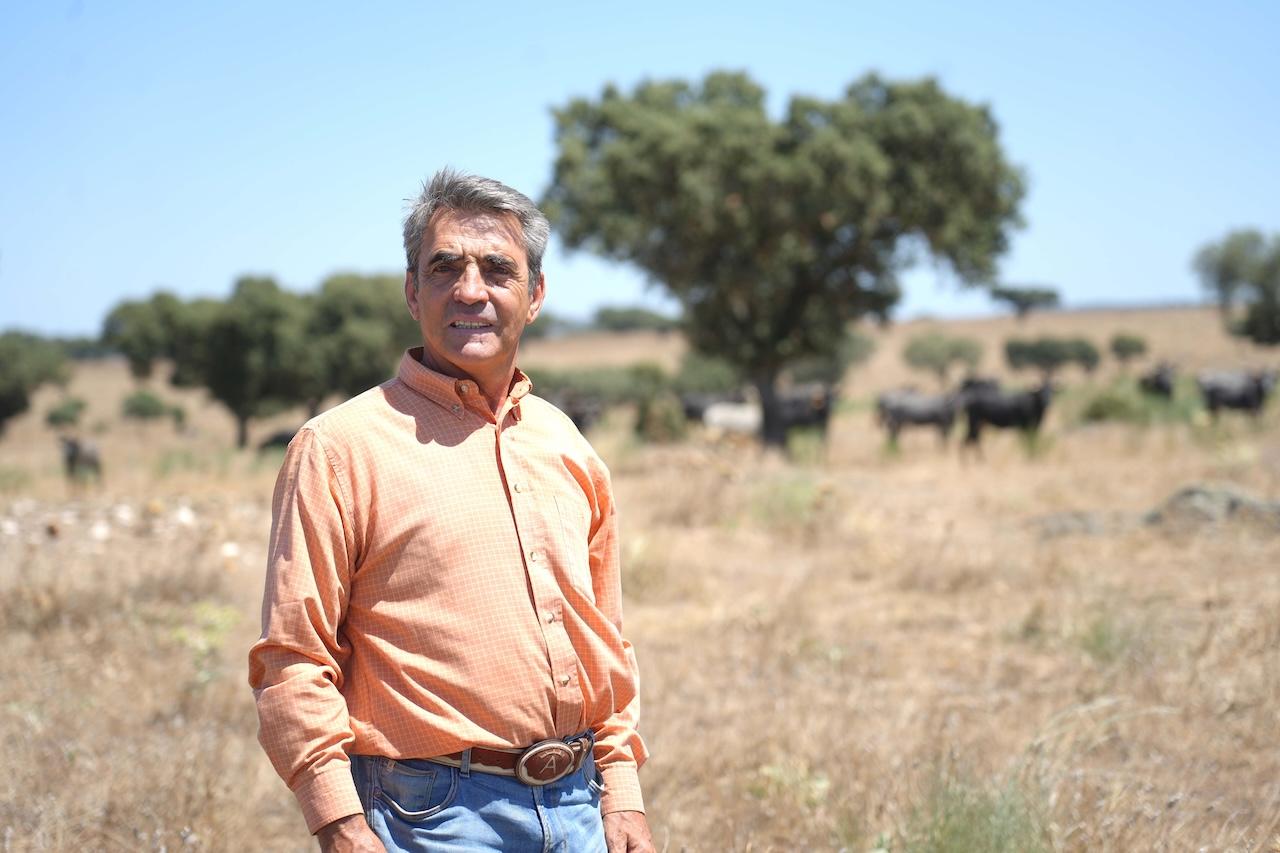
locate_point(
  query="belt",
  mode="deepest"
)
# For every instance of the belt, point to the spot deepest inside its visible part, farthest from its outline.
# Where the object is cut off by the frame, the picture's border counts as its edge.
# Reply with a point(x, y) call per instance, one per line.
point(545, 762)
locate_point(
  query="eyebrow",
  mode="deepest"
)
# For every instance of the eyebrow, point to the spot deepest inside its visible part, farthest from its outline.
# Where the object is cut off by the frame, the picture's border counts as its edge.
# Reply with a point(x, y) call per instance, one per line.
point(448, 257)
point(499, 260)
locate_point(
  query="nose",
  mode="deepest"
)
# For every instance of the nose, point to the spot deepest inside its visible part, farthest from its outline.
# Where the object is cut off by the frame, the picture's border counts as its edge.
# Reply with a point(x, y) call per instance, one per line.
point(470, 288)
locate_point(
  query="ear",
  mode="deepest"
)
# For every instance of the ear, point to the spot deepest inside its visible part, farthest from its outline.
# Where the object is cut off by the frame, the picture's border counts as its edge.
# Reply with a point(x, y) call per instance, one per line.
point(535, 299)
point(411, 292)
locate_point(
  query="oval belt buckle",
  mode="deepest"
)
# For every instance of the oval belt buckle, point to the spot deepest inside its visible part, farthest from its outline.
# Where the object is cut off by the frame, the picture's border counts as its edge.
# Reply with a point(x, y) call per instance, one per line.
point(545, 762)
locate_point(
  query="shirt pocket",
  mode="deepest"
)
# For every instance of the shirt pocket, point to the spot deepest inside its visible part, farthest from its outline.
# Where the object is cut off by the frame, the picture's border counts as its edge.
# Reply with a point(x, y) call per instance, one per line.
point(575, 541)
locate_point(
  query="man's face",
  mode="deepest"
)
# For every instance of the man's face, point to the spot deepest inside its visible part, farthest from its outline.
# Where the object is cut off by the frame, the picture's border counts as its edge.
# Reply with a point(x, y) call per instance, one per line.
point(470, 295)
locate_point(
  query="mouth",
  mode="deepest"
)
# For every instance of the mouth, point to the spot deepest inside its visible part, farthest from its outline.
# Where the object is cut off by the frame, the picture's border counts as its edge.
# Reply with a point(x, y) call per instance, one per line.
point(466, 324)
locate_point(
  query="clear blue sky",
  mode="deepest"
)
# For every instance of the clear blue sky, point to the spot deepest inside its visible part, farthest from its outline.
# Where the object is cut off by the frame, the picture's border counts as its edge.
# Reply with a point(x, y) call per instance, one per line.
point(179, 145)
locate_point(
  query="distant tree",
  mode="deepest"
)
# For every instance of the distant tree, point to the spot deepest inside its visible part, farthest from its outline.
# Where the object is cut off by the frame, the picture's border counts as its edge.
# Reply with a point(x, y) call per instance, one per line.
point(617, 319)
point(1024, 300)
point(1084, 353)
point(1127, 347)
point(66, 413)
point(83, 347)
point(27, 362)
point(256, 357)
point(1046, 354)
point(775, 235)
point(548, 325)
point(937, 353)
point(1244, 269)
point(144, 331)
point(1228, 268)
point(358, 328)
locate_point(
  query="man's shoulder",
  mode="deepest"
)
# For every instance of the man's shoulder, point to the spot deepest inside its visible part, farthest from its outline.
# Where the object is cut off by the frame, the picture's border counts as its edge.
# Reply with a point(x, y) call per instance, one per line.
point(352, 416)
point(556, 428)
point(547, 415)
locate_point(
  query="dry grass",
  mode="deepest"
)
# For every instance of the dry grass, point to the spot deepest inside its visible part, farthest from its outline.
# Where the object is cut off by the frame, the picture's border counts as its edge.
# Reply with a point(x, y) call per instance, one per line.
point(858, 652)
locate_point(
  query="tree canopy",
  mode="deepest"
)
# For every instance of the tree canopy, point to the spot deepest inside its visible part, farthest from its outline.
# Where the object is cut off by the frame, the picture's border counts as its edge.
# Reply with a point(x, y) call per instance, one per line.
point(1244, 269)
point(359, 326)
point(1049, 354)
point(266, 348)
point(938, 353)
point(27, 362)
point(775, 234)
point(1126, 346)
point(1023, 300)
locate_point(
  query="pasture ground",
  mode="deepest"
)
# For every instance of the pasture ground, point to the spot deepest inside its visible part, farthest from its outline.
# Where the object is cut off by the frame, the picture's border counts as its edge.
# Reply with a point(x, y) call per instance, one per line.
point(849, 650)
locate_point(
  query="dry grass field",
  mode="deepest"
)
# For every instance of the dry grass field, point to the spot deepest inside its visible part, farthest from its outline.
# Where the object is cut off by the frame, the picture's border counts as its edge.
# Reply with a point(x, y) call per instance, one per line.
point(848, 650)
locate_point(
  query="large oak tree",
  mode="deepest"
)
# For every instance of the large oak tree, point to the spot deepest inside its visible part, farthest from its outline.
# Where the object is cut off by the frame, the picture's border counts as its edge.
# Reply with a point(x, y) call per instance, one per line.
point(1243, 268)
point(774, 234)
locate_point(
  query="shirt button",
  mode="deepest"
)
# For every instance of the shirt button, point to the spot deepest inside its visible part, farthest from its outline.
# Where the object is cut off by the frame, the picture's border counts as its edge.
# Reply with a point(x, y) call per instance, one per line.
point(551, 617)
point(564, 681)
point(518, 487)
point(464, 387)
point(456, 408)
point(535, 556)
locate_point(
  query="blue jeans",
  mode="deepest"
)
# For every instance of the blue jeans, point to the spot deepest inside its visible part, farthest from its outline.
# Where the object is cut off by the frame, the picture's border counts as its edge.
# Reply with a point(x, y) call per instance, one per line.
point(419, 805)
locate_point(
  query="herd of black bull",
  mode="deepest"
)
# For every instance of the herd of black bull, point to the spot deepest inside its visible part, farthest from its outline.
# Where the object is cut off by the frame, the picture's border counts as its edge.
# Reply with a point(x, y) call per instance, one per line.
point(983, 403)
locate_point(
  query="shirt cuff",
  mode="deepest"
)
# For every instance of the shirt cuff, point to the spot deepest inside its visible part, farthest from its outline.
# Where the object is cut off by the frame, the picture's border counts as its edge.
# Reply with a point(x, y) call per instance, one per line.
point(328, 796)
point(621, 789)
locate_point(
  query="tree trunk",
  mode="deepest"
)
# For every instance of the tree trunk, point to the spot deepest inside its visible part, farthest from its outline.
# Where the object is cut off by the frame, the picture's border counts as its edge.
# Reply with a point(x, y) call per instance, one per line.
point(242, 431)
point(773, 432)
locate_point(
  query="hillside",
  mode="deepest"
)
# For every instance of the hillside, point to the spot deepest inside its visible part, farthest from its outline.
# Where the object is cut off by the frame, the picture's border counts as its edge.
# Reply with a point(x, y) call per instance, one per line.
point(852, 649)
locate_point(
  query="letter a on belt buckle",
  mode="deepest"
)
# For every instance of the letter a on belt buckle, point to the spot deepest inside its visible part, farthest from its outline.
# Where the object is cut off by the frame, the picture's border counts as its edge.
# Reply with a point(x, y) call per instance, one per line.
point(545, 762)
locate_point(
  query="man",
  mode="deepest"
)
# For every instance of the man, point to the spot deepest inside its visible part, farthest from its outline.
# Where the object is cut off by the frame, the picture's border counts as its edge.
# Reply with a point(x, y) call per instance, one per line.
point(441, 664)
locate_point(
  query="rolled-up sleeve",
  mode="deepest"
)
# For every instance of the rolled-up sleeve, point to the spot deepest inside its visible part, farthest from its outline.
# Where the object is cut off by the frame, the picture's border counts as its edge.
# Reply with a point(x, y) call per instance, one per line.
point(295, 668)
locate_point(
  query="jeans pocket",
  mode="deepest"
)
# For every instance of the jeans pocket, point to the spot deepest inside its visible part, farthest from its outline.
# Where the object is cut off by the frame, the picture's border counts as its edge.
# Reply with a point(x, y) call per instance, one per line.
point(595, 782)
point(415, 790)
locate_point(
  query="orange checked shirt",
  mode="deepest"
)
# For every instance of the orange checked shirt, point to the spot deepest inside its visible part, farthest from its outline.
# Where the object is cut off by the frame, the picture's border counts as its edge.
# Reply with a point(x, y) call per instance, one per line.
point(440, 579)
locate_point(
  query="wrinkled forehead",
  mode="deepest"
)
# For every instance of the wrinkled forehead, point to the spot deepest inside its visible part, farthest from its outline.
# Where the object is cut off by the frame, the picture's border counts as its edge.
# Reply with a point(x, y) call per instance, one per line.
point(475, 230)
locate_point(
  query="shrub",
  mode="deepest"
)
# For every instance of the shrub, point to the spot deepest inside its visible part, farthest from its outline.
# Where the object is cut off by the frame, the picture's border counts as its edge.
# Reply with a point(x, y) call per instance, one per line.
point(1116, 403)
point(1122, 401)
point(1126, 347)
point(144, 406)
point(660, 419)
point(65, 414)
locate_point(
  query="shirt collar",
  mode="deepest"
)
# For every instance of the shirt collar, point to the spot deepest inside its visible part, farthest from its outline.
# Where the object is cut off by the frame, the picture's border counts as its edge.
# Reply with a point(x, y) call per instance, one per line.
point(449, 392)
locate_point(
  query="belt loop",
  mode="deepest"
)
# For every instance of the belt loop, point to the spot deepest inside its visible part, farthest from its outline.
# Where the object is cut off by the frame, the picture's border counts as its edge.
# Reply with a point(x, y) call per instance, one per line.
point(466, 763)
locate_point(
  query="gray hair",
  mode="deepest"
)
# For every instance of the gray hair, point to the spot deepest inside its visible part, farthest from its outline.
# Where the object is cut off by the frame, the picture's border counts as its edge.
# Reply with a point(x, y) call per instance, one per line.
point(450, 189)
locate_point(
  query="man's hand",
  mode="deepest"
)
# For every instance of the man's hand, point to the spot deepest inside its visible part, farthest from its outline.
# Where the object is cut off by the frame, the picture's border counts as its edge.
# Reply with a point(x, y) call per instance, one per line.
point(350, 834)
point(627, 832)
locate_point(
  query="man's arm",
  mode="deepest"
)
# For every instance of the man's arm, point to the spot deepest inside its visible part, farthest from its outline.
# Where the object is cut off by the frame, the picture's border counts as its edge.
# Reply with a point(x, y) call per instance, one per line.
point(296, 666)
point(627, 832)
point(619, 749)
point(349, 835)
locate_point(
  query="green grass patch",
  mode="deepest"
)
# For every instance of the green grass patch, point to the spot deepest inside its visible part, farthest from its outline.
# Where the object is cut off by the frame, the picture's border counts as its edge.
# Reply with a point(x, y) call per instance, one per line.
point(1123, 401)
point(1106, 637)
point(959, 816)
